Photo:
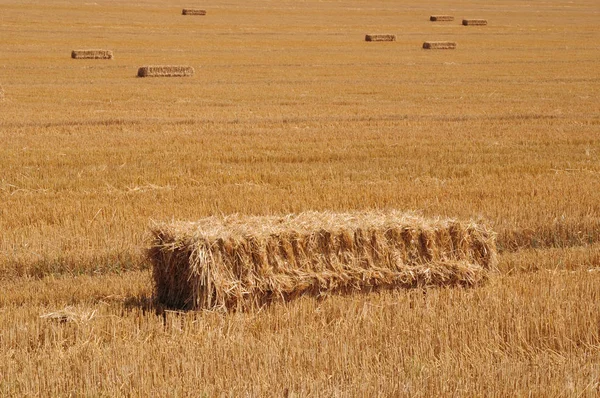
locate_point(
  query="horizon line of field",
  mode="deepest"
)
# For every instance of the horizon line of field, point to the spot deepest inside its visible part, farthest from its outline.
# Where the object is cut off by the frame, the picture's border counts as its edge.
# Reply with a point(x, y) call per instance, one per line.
point(295, 119)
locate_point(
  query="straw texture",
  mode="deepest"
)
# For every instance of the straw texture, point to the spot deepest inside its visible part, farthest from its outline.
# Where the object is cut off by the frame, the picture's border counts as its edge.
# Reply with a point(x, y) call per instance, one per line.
point(439, 45)
point(380, 37)
point(440, 18)
point(193, 11)
point(474, 22)
point(165, 71)
point(91, 54)
point(243, 262)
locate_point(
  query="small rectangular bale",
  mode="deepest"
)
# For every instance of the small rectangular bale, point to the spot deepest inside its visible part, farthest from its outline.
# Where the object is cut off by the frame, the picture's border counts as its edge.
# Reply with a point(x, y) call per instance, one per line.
point(474, 22)
point(193, 11)
point(165, 71)
point(380, 37)
point(91, 54)
point(441, 18)
point(244, 262)
point(439, 45)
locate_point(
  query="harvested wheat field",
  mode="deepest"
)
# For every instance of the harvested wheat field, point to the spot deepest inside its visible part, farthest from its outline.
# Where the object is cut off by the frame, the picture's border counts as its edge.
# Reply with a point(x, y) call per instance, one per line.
point(289, 115)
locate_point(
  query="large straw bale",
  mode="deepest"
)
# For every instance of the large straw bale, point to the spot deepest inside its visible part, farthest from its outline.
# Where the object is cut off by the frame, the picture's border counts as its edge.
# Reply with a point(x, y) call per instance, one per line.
point(243, 262)
point(380, 37)
point(165, 71)
point(439, 45)
point(440, 18)
point(474, 22)
point(193, 11)
point(91, 54)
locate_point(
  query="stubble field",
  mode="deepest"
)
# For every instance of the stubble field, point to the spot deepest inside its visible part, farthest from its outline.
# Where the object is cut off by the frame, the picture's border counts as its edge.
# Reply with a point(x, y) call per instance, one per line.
point(291, 110)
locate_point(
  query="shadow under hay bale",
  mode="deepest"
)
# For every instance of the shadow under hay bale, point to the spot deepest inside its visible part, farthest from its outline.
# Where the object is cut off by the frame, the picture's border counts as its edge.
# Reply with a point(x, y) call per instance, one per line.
point(474, 22)
point(380, 37)
point(192, 11)
point(439, 45)
point(244, 262)
point(165, 71)
point(441, 18)
point(91, 54)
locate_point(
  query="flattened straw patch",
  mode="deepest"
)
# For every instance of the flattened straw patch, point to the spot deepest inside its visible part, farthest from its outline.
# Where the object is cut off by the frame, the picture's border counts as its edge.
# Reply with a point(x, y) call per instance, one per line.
point(193, 11)
point(380, 37)
point(474, 22)
point(441, 18)
point(91, 54)
point(70, 314)
point(165, 71)
point(439, 45)
point(244, 262)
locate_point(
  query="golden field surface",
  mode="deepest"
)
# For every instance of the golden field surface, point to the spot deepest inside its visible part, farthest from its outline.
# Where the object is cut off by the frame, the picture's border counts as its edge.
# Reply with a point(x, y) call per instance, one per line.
point(291, 110)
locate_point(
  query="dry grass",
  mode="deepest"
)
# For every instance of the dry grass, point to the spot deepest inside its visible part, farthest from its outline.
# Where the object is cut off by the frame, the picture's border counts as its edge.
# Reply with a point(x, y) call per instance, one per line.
point(165, 71)
point(380, 37)
point(474, 22)
point(439, 18)
point(293, 113)
point(439, 45)
point(193, 11)
point(242, 262)
point(92, 54)
point(535, 332)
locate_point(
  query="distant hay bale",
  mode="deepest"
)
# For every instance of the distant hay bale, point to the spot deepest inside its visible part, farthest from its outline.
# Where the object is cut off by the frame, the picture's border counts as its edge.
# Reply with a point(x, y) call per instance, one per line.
point(380, 37)
point(244, 262)
point(91, 54)
point(165, 71)
point(193, 11)
point(474, 22)
point(440, 18)
point(439, 45)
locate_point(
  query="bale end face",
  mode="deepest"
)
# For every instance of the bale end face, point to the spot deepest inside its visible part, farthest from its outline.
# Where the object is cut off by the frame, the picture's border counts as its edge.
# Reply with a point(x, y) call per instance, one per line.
point(439, 45)
point(380, 37)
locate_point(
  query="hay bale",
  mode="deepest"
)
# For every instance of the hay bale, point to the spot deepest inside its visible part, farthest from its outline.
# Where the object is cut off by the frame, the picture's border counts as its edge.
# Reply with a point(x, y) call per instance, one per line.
point(380, 37)
point(439, 45)
point(440, 18)
point(474, 22)
point(165, 71)
point(91, 54)
point(244, 262)
point(193, 11)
